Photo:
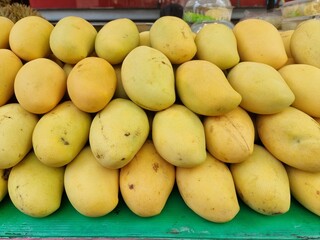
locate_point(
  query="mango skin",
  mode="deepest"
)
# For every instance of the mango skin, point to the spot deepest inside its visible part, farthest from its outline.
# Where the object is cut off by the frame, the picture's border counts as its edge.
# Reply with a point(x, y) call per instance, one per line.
point(148, 78)
point(262, 183)
point(292, 136)
point(178, 135)
point(16, 129)
point(203, 88)
point(304, 81)
point(35, 188)
point(91, 188)
point(61, 134)
point(147, 181)
point(174, 38)
point(260, 41)
point(208, 190)
point(114, 139)
point(230, 137)
point(262, 88)
point(305, 187)
point(6, 26)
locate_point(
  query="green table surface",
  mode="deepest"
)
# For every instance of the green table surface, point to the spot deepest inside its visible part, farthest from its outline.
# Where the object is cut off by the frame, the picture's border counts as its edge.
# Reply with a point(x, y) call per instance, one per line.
point(175, 221)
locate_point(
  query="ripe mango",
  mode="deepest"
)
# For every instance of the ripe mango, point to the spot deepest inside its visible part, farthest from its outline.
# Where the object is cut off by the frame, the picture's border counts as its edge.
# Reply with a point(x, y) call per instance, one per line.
point(117, 133)
point(173, 37)
point(260, 41)
point(178, 136)
point(60, 134)
point(34, 188)
point(304, 82)
point(292, 136)
point(16, 128)
point(217, 43)
point(29, 37)
point(230, 137)
point(208, 189)
point(72, 39)
point(148, 78)
point(6, 25)
point(116, 39)
point(203, 88)
point(262, 182)
point(305, 187)
point(91, 188)
point(263, 89)
point(147, 181)
point(40, 85)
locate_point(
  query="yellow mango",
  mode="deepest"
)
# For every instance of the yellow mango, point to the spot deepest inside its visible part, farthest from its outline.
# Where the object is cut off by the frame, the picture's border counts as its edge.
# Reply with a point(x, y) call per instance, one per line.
point(72, 39)
point(173, 37)
point(39, 85)
point(60, 134)
point(6, 25)
point(16, 128)
point(304, 81)
point(262, 88)
point(144, 38)
point(260, 41)
point(178, 136)
point(304, 43)
point(147, 181)
point(116, 39)
point(148, 78)
point(117, 133)
point(34, 188)
point(286, 38)
point(292, 136)
point(305, 188)
point(262, 182)
point(4, 174)
point(91, 84)
point(230, 137)
point(91, 188)
point(10, 64)
point(29, 37)
point(204, 89)
point(208, 189)
point(217, 43)
point(119, 92)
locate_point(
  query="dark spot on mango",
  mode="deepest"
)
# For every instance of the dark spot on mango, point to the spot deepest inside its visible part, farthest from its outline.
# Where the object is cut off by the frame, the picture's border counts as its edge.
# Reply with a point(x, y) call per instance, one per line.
point(131, 186)
point(127, 134)
point(65, 142)
point(155, 166)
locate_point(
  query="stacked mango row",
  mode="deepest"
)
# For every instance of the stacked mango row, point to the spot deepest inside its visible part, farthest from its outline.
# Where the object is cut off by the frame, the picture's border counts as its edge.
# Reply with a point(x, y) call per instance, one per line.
point(98, 114)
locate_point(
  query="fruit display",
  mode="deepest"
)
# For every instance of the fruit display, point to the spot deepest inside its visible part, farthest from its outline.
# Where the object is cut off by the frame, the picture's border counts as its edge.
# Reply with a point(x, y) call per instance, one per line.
point(226, 116)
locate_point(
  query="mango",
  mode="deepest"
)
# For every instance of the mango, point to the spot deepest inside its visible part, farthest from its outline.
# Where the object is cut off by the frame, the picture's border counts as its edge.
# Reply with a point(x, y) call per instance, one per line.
point(60, 134)
point(286, 38)
point(148, 78)
point(16, 128)
point(305, 187)
point(144, 38)
point(34, 188)
point(260, 41)
point(208, 190)
point(72, 39)
point(117, 133)
point(263, 89)
point(304, 81)
point(116, 39)
point(203, 88)
point(304, 43)
point(91, 84)
point(147, 181)
point(29, 37)
point(10, 64)
point(91, 188)
point(230, 137)
point(119, 92)
point(6, 25)
point(173, 37)
point(178, 136)
point(4, 174)
point(40, 85)
point(293, 137)
point(262, 182)
point(217, 43)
